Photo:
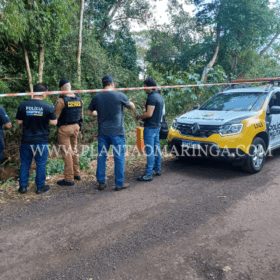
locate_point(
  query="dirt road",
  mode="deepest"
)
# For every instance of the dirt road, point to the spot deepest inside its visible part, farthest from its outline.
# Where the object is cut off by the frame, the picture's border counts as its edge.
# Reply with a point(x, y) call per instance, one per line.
point(202, 221)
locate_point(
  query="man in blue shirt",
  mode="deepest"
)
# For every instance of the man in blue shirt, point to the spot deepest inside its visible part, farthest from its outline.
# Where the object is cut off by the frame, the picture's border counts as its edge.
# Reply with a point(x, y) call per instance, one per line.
point(108, 105)
point(4, 123)
point(35, 116)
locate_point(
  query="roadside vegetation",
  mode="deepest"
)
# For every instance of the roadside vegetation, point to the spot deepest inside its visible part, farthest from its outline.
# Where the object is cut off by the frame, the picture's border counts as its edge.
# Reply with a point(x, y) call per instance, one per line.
point(39, 42)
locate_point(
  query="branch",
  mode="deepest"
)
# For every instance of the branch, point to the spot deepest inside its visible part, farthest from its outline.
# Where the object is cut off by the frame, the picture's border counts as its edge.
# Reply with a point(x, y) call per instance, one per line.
point(124, 18)
point(12, 79)
point(262, 52)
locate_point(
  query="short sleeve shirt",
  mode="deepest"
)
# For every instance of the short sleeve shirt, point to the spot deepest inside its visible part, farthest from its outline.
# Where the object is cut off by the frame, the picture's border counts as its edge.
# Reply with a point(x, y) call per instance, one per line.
point(35, 115)
point(154, 99)
point(109, 106)
point(3, 120)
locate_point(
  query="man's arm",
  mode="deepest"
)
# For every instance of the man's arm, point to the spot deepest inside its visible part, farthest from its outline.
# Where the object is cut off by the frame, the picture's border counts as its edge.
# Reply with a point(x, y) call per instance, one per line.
point(53, 122)
point(8, 125)
point(147, 114)
point(20, 122)
point(91, 113)
point(58, 107)
point(5, 119)
point(131, 106)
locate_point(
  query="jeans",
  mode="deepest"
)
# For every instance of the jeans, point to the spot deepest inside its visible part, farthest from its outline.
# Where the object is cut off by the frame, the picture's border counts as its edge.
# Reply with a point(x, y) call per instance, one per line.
point(151, 139)
point(40, 154)
point(118, 143)
point(1, 154)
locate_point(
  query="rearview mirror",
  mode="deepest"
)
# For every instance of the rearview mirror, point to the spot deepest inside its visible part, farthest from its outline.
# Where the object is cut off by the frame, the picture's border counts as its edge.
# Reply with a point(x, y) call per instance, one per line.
point(196, 107)
point(275, 110)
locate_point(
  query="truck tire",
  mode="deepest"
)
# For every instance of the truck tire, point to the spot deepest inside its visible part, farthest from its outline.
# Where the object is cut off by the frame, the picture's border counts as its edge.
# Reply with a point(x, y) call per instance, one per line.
point(256, 157)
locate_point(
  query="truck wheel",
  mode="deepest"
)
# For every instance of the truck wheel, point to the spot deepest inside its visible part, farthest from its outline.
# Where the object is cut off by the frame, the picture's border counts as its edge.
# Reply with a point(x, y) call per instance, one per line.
point(256, 157)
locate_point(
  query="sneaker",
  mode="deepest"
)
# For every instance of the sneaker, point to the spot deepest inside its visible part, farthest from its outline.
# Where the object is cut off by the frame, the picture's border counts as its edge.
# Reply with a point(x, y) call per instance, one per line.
point(101, 186)
point(157, 172)
point(22, 189)
point(42, 189)
point(78, 178)
point(65, 183)
point(123, 187)
point(145, 177)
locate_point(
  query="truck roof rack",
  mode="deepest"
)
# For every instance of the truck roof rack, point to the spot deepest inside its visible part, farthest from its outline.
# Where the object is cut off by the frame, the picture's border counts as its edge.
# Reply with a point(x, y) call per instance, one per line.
point(238, 86)
point(272, 82)
point(260, 80)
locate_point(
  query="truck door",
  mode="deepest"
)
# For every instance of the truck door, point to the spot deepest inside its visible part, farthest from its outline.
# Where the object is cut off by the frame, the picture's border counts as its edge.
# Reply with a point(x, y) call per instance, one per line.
point(273, 121)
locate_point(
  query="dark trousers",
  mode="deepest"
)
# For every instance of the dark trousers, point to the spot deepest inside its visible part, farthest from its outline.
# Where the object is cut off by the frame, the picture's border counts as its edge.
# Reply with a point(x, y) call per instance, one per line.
point(40, 154)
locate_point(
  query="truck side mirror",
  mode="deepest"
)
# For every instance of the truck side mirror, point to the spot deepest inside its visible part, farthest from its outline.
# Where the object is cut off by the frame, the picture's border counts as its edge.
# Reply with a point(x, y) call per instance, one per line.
point(196, 107)
point(275, 110)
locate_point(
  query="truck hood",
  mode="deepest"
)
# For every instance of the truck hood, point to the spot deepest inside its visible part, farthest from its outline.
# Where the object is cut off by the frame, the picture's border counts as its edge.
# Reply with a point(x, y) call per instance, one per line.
point(214, 117)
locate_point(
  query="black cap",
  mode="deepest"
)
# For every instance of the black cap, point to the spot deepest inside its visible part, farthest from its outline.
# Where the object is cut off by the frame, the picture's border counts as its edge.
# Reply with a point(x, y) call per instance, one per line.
point(63, 82)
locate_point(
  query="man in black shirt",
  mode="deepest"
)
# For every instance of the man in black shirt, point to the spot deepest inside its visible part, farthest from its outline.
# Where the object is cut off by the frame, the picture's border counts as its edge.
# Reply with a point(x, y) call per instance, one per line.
point(108, 105)
point(152, 118)
point(35, 116)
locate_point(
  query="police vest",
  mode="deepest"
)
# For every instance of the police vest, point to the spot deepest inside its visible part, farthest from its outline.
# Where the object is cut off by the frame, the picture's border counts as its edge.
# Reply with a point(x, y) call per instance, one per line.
point(71, 113)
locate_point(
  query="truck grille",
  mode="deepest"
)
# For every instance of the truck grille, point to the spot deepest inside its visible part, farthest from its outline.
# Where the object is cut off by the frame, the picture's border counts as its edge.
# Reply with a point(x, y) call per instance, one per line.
point(205, 130)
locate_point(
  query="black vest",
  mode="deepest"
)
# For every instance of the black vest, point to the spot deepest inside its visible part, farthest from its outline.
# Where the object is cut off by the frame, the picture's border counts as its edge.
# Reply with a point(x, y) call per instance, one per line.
point(71, 113)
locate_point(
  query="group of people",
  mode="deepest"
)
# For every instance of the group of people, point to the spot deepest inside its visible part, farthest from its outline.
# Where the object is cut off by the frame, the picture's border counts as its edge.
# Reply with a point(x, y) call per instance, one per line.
point(35, 116)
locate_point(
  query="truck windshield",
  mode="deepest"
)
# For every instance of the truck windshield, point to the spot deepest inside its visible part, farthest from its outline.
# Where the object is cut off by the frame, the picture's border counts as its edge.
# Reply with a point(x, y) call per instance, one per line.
point(235, 101)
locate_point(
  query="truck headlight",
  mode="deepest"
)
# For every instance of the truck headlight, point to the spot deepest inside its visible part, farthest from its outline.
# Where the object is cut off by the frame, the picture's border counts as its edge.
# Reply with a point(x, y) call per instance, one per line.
point(174, 124)
point(233, 129)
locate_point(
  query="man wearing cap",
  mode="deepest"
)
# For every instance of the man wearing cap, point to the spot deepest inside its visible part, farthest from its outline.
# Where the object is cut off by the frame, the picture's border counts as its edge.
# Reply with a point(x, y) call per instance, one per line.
point(69, 113)
point(109, 106)
point(35, 116)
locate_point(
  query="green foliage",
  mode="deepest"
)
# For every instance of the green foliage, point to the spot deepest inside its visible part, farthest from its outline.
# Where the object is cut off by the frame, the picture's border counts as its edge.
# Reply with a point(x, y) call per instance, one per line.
point(55, 166)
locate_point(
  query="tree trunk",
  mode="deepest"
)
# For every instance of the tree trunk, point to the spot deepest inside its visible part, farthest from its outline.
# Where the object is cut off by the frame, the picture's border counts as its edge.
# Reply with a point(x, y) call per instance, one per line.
point(262, 52)
point(80, 42)
point(41, 61)
point(213, 60)
point(234, 63)
point(114, 10)
point(28, 68)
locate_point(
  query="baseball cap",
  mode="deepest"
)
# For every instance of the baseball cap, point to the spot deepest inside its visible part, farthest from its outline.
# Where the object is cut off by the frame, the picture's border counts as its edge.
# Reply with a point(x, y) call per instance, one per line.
point(63, 82)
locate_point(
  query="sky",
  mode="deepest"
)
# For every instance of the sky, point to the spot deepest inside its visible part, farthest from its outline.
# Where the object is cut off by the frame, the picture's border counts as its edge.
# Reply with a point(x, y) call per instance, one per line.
point(161, 14)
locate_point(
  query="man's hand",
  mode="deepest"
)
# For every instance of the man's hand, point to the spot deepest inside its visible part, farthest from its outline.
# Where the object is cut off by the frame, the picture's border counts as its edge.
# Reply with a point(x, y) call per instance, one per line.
point(91, 113)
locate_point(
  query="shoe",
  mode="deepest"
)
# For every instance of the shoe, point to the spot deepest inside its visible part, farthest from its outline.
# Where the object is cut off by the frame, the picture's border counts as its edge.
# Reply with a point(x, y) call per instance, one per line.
point(78, 178)
point(22, 189)
point(145, 178)
point(65, 183)
point(123, 187)
point(42, 189)
point(157, 172)
point(102, 186)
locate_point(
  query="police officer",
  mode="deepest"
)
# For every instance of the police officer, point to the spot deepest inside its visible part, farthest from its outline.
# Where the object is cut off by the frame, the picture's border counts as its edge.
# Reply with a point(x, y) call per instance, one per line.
point(35, 116)
point(69, 113)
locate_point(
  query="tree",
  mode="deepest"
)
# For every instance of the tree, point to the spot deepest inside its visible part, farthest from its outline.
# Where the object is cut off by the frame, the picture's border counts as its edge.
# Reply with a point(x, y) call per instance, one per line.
point(238, 24)
point(108, 15)
point(80, 42)
point(40, 23)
